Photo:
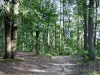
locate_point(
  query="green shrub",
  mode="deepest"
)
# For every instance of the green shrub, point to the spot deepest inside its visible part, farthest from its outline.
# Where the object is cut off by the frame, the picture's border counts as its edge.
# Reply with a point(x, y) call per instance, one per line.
point(84, 53)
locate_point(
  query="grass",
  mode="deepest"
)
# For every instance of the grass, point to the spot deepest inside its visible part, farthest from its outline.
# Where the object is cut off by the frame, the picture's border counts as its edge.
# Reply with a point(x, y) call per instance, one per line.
point(93, 70)
point(94, 73)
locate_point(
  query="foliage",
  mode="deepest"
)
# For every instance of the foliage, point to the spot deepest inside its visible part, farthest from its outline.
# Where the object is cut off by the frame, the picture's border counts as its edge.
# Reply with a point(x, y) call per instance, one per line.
point(60, 23)
point(93, 73)
point(84, 53)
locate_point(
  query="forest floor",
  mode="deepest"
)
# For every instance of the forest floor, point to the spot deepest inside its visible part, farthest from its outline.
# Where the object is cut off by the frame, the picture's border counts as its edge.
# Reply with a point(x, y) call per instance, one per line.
point(45, 65)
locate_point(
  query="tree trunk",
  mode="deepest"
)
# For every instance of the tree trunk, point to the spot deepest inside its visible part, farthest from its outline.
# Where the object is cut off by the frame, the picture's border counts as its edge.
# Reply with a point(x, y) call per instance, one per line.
point(85, 26)
point(14, 39)
point(95, 28)
point(63, 26)
point(48, 37)
point(55, 40)
point(14, 28)
point(90, 31)
point(37, 41)
point(60, 52)
point(85, 31)
point(10, 29)
point(78, 38)
point(7, 23)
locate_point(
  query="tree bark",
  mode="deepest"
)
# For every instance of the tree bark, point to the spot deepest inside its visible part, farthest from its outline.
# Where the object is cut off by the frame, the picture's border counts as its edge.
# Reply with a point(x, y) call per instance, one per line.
point(85, 31)
point(78, 38)
point(95, 28)
point(14, 39)
point(7, 23)
point(37, 40)
point(14, 28)
point(55, 40)
point(10, 29)
point(90, 31)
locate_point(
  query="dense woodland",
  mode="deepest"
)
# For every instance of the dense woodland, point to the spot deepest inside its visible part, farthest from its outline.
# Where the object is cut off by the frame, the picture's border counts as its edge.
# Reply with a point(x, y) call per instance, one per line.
point(50, 27)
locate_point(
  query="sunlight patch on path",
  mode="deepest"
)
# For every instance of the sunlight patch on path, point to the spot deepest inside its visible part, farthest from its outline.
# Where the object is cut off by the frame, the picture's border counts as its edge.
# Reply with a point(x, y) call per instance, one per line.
point(65, 64)
point(36, 70)
point(28, 69)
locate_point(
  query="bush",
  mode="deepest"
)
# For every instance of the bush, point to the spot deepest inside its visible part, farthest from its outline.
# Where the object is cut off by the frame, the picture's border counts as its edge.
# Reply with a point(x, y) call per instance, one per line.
point(84, 53)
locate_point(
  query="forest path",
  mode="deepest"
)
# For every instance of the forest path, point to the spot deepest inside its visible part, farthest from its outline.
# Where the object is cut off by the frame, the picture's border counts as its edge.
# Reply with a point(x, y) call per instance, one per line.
point(45, 65)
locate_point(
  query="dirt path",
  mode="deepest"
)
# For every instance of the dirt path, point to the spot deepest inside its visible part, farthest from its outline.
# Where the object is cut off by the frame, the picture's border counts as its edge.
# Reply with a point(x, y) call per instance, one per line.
point(59, 65)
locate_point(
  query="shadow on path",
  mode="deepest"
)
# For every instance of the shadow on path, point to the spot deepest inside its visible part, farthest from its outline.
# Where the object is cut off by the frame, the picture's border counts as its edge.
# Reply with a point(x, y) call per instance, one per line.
point(42, 65)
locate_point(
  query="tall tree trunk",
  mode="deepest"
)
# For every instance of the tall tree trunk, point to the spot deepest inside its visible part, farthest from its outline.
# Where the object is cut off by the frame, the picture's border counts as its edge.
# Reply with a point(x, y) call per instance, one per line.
point(63, 25)
point(85, 32)
point(90, 31)
point(48, 37)
point(10, 29)
point(14, 39)
point(95, 28)
point(60, 51)
point(14, 28)
point(55, 39)
point(7, 23)
point(78, 38)
point(37, 40)
point(63, 19)
point(85, 25)
point(78, 33)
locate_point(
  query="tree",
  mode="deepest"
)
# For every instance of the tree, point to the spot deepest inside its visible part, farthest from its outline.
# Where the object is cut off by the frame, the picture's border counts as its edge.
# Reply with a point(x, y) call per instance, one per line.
point(14, 27)
point(95, 27)
point(10, 21)
point(91, 30)
point(37, 41)
point(52, 27)
point(7, 23)
point(85, 25)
